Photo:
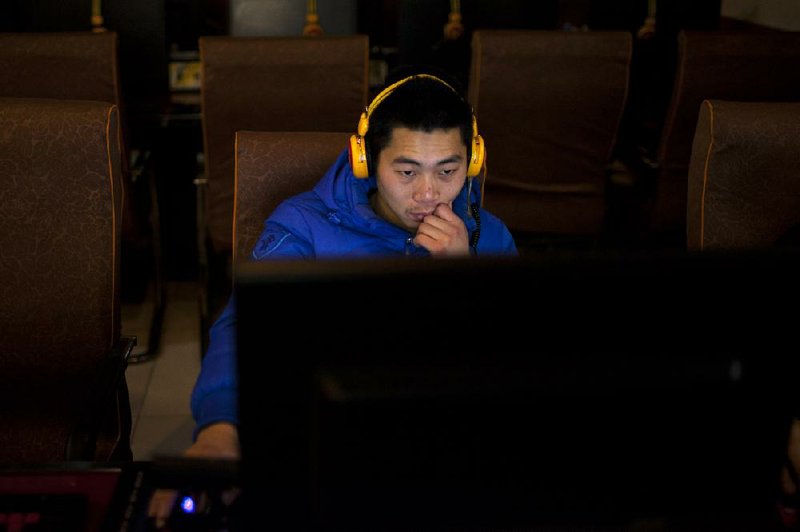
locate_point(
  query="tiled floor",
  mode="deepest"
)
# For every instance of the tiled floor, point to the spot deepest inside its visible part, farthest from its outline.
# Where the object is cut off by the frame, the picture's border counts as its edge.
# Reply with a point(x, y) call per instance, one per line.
point(160, 387)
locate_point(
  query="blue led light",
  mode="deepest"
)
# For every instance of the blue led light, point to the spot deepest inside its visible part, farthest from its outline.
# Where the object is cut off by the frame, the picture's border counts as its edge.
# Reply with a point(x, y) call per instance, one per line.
point(187, 505)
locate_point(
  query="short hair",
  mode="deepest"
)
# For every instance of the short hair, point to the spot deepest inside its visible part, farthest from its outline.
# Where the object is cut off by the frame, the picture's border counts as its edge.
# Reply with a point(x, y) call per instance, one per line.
point(419, 104)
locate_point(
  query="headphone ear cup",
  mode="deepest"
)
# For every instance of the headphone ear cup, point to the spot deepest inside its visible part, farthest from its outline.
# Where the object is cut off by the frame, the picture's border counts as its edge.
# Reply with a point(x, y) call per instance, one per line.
point(358, 157)
point(477, 156)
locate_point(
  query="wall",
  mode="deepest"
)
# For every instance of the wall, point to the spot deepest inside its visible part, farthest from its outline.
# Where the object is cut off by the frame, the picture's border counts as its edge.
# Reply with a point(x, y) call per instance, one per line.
point(287, 17)
point(778, 14)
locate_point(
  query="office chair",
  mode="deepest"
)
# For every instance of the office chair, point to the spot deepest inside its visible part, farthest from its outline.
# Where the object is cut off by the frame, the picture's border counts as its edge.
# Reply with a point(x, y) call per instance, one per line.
point(743, 196)
point(744, 176)
point(264, 84)
point(549, 104)
point(63, 394)
point(271, 166)
point(85, 66)
point(733, 65)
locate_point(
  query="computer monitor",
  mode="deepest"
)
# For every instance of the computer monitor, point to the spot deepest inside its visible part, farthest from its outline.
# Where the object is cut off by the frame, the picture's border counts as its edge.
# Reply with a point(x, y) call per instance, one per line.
point(562, 390)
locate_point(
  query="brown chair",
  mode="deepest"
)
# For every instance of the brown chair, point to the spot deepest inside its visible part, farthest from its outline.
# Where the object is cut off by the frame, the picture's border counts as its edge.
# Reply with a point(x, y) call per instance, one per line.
point(716, 65)
point(270, 167)
point(744, 176)
point(63, 394)
point(264, 84)
point(71, 65)
point(549, 104)
point(272, 84)
point(85, 66)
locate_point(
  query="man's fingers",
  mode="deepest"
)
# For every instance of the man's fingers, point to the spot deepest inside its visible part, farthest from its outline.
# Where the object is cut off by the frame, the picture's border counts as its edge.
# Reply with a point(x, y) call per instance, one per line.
point(443, 232)
point(445, 211)
point(229, 495)
point(442, 222)
point(160, 506)
point(433, 226)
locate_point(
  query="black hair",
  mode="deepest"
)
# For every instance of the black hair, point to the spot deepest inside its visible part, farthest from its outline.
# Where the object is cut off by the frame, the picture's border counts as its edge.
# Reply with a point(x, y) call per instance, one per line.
point(419, 104)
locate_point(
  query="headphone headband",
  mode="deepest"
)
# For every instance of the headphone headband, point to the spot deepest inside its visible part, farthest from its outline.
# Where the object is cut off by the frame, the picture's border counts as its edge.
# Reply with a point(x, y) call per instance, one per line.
point(389, 90)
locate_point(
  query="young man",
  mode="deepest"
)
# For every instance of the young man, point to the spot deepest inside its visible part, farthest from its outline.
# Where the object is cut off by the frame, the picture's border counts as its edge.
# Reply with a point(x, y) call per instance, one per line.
point(402, 187)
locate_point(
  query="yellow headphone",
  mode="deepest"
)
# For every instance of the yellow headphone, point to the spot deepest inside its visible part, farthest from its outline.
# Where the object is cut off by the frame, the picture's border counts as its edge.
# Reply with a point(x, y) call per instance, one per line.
point(358, 148)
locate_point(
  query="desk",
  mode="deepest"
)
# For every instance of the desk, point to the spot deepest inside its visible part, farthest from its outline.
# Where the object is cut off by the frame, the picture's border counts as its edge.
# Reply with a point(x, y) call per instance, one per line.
point(102, 498)
point(87, 497)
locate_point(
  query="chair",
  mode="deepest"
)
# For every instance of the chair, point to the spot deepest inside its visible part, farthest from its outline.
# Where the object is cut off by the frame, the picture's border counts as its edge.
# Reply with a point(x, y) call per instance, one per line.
point(264, 84)
point(272, 84)
point(73, 65)
point(718, 65)
point(270, 167)
point(84, 66)
point(744, 176)
point(549, 104)
point(63, 394)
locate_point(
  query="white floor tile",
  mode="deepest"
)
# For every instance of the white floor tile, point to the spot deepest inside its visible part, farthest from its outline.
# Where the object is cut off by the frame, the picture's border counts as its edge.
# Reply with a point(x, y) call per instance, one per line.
point(138, 378)
point(162, 436)
point(160, 388)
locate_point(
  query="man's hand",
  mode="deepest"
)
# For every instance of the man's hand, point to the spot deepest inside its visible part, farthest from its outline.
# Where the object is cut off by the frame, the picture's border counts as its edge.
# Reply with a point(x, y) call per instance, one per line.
point(219, 441)
point(443, 233)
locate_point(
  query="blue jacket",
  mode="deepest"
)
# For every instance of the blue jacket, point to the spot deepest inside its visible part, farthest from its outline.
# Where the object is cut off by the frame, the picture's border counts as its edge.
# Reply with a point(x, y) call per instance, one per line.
point(333, 219)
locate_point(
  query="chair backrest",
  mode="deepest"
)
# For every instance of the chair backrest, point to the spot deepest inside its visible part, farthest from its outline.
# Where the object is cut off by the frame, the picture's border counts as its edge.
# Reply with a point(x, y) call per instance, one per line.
point(60, 209)
point(744, 176)
point(85, 66)
point(75, 65)
point(61, 65)
point(273, 84)
point(549, 104)
point(720, 65)
point(271, 167)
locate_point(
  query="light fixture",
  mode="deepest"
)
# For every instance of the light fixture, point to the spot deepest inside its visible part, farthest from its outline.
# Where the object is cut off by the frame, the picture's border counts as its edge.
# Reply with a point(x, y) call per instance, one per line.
point(97, 17)
point(312, 27)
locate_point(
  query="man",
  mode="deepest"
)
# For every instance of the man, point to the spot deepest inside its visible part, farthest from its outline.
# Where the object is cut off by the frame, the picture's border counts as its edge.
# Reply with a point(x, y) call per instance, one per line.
point(403, 187)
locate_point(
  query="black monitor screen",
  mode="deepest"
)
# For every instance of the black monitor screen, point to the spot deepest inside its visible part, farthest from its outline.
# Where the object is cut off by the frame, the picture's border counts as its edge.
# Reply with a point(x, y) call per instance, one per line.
point(582, 390)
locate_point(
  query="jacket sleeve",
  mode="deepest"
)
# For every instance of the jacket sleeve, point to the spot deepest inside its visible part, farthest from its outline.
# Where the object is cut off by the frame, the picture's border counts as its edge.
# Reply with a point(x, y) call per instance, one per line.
point(215, 394)
point(276, 242)
point(214, 397)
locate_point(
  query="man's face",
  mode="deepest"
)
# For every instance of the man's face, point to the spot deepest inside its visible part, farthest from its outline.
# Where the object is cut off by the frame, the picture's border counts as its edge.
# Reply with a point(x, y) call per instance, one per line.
point(416, 172)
